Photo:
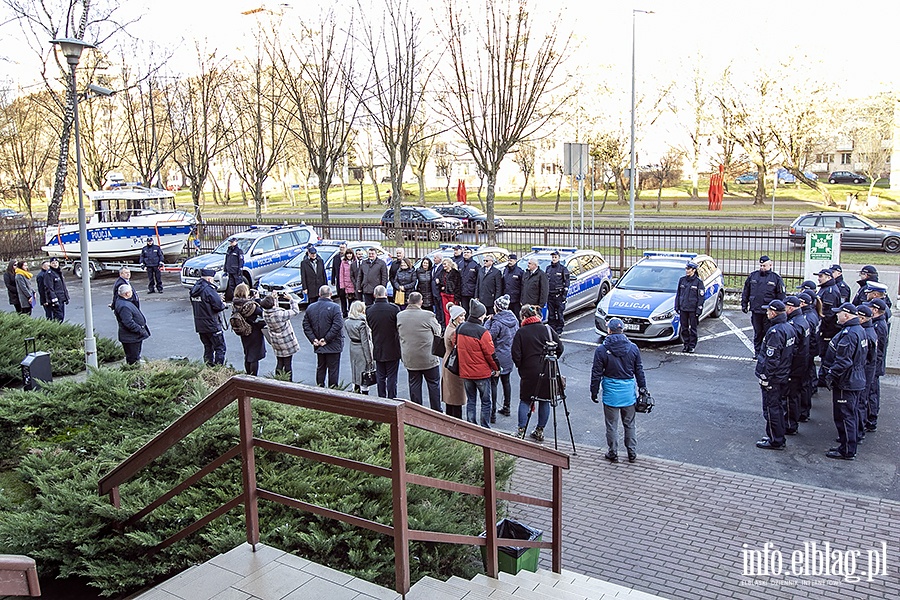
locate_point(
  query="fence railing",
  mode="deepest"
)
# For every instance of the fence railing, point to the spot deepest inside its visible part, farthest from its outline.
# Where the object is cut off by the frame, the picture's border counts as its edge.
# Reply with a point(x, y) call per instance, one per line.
point(398, 415)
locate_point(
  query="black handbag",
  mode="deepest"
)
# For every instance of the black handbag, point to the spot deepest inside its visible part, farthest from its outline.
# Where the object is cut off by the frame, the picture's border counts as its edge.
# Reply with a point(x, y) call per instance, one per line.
point(368, 378)
point(452, 362)
point(644, 403)
point(438, 348)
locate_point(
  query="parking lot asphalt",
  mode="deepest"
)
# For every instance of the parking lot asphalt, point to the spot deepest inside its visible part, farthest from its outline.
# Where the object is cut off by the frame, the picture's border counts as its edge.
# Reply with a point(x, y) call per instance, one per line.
point(708, 405)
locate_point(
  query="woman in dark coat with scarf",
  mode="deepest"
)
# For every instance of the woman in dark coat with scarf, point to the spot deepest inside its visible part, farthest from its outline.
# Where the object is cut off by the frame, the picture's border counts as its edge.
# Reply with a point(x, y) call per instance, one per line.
point(254, 343)
point(528, 347)
point(9, 279)
point(451, 286)
point(423, 283)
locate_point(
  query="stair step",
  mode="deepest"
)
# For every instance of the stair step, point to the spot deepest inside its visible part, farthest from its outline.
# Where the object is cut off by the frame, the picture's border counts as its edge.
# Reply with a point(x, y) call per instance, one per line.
point(540, 585)
point(513, 588)
point(500, 591)
point(569, 585)
point(429, 588)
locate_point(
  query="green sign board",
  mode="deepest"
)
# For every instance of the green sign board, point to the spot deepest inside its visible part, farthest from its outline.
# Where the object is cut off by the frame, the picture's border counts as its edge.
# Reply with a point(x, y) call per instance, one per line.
point(821, 246)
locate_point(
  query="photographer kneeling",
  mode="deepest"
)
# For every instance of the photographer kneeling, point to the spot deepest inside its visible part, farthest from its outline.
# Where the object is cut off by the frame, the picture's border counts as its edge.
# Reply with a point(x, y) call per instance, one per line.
point(529, 347)
point(617, 361)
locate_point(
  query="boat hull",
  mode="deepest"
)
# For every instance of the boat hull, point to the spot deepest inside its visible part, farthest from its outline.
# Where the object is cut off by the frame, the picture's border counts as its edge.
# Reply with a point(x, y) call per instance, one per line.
point(121, 240)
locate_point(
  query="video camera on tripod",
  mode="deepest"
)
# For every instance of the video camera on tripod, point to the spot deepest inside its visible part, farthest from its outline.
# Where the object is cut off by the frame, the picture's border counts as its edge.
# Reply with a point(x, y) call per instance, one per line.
point(552, 388)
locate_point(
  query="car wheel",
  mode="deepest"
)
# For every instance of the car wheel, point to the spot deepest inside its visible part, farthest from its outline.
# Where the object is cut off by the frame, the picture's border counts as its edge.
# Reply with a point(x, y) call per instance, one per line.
point(720, 306)
point(892, 245)
point(604, 290)
point(248, 280)
point(857, 181)
point(389, 233)
point(434, 235)
point(77, 271)
point(832, 181)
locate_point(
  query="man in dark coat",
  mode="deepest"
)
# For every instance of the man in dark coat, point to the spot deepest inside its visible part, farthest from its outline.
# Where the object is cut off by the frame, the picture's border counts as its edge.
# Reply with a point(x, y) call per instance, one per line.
point(151, 259)
point(312, 274)
point(436, 273)
point(324, 328)
point(558, 291)
point(868, 326)
point(336, 265)
point(844, 368)
point(56, 291)
point(512, 284)
point(760, 288)
point(382, 319)
point(868, 274)
point(234, 264)
point(535, 287)
point(124, 279)
point(133, 328)
point(457, 254)
point(843, 288)
point(689, 305)
point(42, 289)
point(828, 327)
point(799, 365)
point(490, 282)
point(207, 307)
point(399, 253)
point(773, 369)
point(372, 273)
point(873, 402)
point(468, 272)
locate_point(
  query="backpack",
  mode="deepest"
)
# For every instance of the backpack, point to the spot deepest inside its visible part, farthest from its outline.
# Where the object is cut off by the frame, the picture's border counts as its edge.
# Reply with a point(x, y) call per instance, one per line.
point(239, 324)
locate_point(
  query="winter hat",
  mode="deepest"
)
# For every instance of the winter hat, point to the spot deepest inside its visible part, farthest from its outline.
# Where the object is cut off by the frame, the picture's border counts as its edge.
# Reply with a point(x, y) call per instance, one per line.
point(615, 325)
point(502, 303)
point(455, 311)
point(476, 309)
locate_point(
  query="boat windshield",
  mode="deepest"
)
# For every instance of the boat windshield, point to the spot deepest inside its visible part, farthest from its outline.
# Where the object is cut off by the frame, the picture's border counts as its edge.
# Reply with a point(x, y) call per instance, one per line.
point(122, 209)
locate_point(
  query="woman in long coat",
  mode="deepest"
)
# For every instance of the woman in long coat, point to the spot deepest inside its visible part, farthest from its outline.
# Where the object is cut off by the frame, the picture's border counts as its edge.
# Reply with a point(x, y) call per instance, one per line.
point(254, 343)
point(360, 338)
point(24, 287)
point(451, 286)
point(281, 333)
point(452, 391)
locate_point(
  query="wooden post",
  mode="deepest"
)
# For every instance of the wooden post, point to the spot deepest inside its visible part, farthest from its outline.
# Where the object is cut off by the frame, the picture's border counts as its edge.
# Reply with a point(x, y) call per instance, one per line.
point(490, 511)
point(557, 520)
point(248, 472)
point(401, 520)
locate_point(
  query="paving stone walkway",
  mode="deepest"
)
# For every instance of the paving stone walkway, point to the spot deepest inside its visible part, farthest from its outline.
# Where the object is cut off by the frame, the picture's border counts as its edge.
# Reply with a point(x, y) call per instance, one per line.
point(679, 530)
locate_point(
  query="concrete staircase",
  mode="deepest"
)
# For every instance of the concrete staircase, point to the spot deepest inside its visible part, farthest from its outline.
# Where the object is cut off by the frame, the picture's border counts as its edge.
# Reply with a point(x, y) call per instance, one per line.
point(270, 574)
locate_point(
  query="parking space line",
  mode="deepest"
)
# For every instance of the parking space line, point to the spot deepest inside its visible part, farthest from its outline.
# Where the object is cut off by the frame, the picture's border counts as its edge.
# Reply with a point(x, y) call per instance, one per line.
point(713, 336)
point(581, 316)
point(716, 356)
point(740, 334)
point(580, 342)
point(582, 330)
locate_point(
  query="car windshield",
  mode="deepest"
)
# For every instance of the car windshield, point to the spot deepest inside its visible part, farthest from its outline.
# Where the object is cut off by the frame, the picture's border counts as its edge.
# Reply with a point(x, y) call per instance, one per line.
point(542, 261)
point(471, 211)
point(651, 278)
point(326, 252)
point(867, 221)
point(243, 244)
point(429, 214)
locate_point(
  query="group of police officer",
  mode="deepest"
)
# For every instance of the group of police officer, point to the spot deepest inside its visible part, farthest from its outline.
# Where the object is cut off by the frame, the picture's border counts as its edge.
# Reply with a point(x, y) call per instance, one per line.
point(849, 337)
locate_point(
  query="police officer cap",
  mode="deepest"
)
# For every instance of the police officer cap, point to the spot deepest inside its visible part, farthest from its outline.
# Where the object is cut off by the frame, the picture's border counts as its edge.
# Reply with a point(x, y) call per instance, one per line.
point(864, 310)
point(691, 265)
point(826, 272)
point(879, 304)
point(207, 272)
point(846, 307)
point(149, 240)
point(869, 269)
point(513, 256)
point(312, 249)
point(776, 305)
point(554, 253)
point(457, 247)
point(808, 285)
point(875, 286)
point(804, 297)
point(615, 326)
point(764, 259)
point(792, 301)
point(837, 268)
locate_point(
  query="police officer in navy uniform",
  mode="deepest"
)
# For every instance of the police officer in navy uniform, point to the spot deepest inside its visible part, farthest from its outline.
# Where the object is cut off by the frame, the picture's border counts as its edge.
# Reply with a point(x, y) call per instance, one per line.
point(151, 258)
point(808, 387)
point(843, 288)
point(867, 274)
point(830, 297)
point(468, 272)
point(879, 290)
point(234, 264)
point(844, 368)
point(873, 403)
point(799, 363)
point(773, 369)
point(689, 305)
point(868, 326)
point(457, 255)
point(558, 285)
point(512, 284)
point(761, 287)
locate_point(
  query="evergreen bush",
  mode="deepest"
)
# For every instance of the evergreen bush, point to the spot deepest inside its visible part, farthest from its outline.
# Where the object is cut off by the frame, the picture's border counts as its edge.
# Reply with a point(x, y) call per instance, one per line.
point(64, 342)
point(61, 440)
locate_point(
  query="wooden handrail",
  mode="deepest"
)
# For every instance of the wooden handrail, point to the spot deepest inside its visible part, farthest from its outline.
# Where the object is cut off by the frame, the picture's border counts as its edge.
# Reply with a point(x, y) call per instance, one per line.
point(397, 414)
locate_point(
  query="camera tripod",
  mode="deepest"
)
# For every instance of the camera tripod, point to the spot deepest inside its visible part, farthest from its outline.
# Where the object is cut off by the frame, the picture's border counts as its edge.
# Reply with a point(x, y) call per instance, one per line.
point(557, 395)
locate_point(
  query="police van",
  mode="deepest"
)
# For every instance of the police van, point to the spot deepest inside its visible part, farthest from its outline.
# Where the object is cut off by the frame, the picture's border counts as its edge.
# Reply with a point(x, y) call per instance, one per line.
point(644, 298)
point(589, 273)
point(265, 249)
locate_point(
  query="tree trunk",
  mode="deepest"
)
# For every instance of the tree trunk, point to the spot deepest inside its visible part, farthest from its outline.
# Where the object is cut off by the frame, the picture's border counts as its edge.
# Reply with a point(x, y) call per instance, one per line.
point(62, 164)
point(522, 193)
point(362, 206)
point(659, 197)
point(447, 190)
point(323, 206)
point(558, 191)
point(695, 173)
point(421, 179)
point(397, 203)
point(760, 197)
point(491, 184)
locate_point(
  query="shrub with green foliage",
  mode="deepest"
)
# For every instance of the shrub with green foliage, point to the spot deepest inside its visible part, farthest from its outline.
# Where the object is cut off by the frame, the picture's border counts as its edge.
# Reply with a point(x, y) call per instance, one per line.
point(64, 342)
point(63, 439)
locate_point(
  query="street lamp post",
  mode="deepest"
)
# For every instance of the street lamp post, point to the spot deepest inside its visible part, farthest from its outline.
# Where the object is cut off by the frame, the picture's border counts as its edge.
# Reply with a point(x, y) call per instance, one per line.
point(633, 170)
point(71, 49)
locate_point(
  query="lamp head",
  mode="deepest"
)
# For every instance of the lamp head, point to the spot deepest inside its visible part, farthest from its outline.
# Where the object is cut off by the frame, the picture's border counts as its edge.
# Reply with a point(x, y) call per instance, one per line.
point(72, 48)
point(100, 90)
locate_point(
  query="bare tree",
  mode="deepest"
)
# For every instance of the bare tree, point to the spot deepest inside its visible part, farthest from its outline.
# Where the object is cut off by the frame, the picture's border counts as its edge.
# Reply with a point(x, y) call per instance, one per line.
point(317, 79)
point(500, 88)
point(26, 144)
point(694, 111)
point(444, 160)
point(524, 158)
point(43, 20)
point(393, 96)
point(421, 152)
point(201, 120)
point(610, 149)
point(666, 172)
point(873, 125)
point(103, 140)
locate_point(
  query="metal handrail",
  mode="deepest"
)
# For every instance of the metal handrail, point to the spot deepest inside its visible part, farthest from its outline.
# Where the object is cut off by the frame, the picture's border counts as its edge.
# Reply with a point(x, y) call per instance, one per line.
point(397, 414)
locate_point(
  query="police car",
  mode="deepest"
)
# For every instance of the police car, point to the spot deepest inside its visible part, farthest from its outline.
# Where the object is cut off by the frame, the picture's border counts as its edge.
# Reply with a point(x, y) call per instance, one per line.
point(265, 249)
point(589, 273)
point(501, 255)
point(644, 298)
point(287, 278)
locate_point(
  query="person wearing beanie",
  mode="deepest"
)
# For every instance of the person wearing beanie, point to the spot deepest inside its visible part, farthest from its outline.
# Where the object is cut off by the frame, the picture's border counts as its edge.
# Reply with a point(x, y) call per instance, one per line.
point(866, 274)
point(503, 326)
point(477, 363)
point(773, 369)
point(618, 368)
point(844, 373)
point(453, 391)
point(761, 287)
point(528, 350)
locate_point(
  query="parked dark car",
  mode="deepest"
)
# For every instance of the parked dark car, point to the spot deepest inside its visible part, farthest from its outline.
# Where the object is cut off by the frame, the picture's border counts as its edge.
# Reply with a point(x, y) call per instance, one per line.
point(423, 222)
point(856, 231)
point(846, 177)
point(471, 217)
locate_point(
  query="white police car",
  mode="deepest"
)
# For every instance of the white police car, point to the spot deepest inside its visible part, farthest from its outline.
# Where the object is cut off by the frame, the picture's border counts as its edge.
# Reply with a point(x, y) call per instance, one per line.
point(501, 255)
point(265, 249)
point(589, 273)
point(286, 279)
point(644, 298)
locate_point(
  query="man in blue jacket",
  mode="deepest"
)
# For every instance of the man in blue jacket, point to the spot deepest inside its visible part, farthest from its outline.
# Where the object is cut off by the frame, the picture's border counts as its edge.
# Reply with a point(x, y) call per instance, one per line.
point(760, 288)
point(773, 369)
point(689, 305)
point(234, 264)
point(617, 364)
point(844, 369)
point(207, 306)
point(151, 258)
point(324, 328)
